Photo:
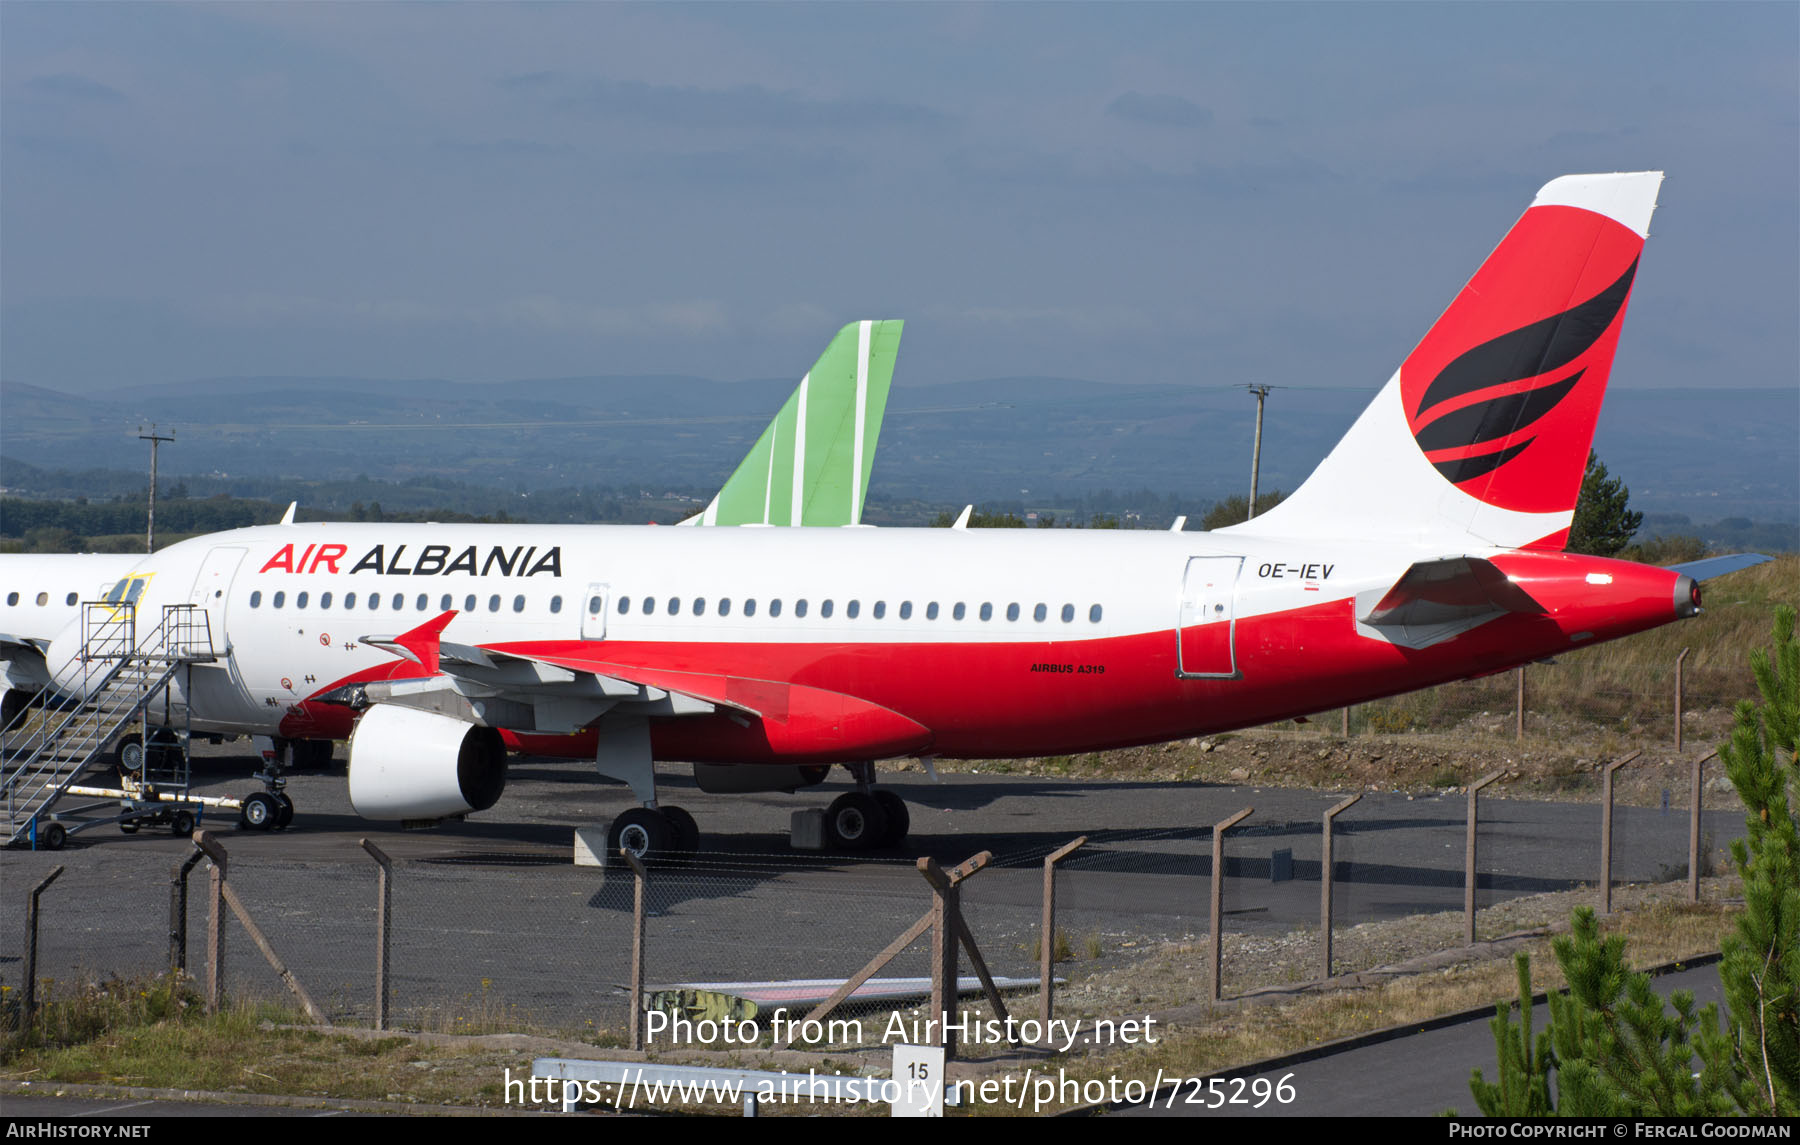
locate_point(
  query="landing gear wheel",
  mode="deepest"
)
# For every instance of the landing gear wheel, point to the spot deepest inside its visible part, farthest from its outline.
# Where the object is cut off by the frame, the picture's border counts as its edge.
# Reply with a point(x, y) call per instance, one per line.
point(286, 813)
point(129, 754)
point(53, 837)
point(899, 820)
point(260, 812)
point(641, 832)
point(687, 832)
point(128, 826)
point(182, 824)
point(855, 822)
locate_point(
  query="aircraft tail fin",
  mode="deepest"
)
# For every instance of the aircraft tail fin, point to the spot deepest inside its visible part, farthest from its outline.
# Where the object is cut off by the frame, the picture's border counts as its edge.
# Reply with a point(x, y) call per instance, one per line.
point(1483, 434)
point(811, 465)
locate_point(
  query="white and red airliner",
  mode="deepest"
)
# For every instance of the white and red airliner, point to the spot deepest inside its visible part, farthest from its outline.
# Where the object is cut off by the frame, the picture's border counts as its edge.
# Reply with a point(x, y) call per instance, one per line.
point(1426, 548)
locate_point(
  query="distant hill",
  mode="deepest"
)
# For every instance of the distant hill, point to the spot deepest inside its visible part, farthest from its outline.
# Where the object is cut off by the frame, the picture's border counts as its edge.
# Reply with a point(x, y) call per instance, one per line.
point(1707, 454)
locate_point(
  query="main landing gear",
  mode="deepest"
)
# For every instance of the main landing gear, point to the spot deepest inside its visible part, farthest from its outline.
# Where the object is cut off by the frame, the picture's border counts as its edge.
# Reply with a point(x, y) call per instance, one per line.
point(868, 818)
point(651, 831)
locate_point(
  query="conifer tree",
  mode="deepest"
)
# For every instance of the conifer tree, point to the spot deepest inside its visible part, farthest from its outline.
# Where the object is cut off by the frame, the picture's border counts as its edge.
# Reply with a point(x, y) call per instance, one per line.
point(1603, 524)
point(1615, 1048)
point(1760, 971)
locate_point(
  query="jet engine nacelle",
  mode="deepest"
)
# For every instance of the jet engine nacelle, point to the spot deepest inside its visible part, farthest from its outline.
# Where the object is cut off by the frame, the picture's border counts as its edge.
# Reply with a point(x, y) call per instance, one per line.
point(411, 764)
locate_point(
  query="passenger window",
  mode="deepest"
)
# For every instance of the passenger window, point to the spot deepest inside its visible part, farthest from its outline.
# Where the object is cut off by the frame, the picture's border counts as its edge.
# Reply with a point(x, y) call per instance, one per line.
point(12, 598)
point(724, 606)
point(349, 600)
point(775, 607)
point(469, 603)
point(43, 598)
point(280, 599)
point(374, 601)
point(1040, 613)
point(324, 600)
point(1012, 611)
point(880, 609)
point(494, 603)
point(931, 611)
point(624, 605)
point(649, 605)
point(256, 599)
point(699, 606)
point(800, 608)
point(444, 603)
point(71, 599)
point(750, 607)
point(423, 602)
point(556, 605)
point(959, 611)
point(519, 603)
point(300, 601)
point(825, 609)
point(1068, 613)
point(987, 611)
point(674, 605)
point(851, 609)
point(906, 610)
point(399, 601)
point(1094, 615)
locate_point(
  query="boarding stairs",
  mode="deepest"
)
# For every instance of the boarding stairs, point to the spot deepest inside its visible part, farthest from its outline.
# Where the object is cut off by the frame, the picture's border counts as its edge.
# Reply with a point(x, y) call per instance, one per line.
point(119, 677)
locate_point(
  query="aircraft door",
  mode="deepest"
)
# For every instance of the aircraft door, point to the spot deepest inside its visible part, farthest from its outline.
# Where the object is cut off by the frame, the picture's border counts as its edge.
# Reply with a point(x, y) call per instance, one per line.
point(212, 590)
point(215, 692)
point(593, 611)
point(1207, 626)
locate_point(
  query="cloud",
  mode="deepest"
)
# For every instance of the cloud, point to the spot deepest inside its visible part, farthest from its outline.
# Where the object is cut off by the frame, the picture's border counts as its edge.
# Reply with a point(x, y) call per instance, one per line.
point(1159, 110)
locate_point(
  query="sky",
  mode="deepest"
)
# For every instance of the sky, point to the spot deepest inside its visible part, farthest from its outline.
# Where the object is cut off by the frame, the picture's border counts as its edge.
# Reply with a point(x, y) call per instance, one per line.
point(1193, 194)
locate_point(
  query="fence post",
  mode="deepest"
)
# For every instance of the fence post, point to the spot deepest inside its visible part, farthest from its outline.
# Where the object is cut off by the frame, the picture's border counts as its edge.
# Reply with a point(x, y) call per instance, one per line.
point(1469, 859)
point(943, 951)
point(384, 889)
point(215, 920)
point(1519, 709)
point(639, 877)
point(1047, 936)
point(1325, 879)
point(1606, 798)
point(1218, 897)
point(1694, 827)
point(1346, 723)
point(1678, 661)
point(178, 903)
point(28, 1003)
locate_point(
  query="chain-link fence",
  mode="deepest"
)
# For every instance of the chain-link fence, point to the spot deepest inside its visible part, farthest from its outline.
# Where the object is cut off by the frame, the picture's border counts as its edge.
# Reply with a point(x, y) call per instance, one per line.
point(509, 940)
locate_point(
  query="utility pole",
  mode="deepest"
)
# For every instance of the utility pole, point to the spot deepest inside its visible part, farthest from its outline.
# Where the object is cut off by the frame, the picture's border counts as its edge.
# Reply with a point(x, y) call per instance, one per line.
point(1261, 392)
point(155, 440)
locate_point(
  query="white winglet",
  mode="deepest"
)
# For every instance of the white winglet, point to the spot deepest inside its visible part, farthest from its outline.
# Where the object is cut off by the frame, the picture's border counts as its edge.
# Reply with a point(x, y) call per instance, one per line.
point(962, 522)
point(287, 518)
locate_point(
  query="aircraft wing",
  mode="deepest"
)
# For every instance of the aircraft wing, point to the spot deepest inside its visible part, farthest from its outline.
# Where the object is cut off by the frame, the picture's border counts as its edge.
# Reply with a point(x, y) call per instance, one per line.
point(569, 685)
point(811, 465)
point(1436, 600)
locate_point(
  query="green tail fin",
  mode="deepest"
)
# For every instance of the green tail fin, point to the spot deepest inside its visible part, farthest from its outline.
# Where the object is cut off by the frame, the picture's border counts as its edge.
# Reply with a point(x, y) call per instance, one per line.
point(811, 466)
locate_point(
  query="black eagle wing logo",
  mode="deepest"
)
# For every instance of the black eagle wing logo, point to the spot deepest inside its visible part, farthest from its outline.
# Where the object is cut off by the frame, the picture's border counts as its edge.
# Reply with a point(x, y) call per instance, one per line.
point(1544, 347)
